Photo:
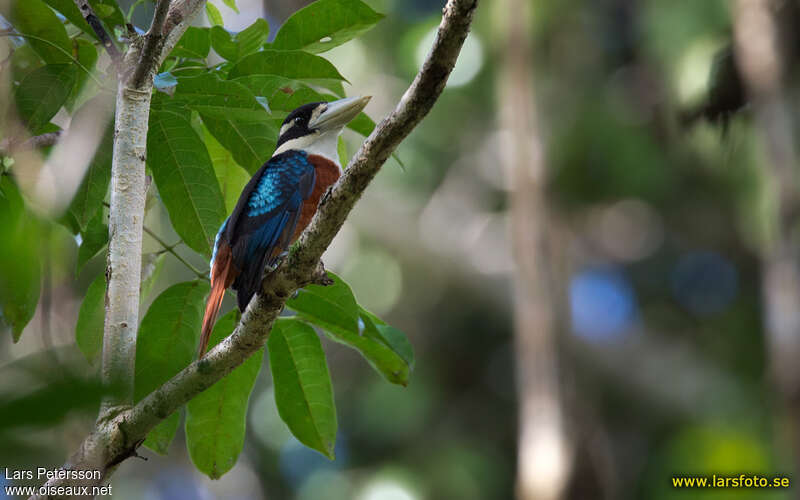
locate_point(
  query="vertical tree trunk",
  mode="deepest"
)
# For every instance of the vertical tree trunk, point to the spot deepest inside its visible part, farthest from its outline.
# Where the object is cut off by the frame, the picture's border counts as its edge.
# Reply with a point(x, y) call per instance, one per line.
point(128, 189)
point(759, 58)
point(543, 456)
point(125, 243)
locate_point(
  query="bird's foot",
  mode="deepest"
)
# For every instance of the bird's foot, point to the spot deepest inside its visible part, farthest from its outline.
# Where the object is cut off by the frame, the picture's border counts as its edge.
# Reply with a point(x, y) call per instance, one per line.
point(268, 269)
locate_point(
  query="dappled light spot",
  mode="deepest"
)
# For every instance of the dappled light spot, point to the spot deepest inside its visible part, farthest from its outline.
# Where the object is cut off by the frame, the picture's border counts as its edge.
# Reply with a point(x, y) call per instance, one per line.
point(327, 484)
point(704, 282)
point(602, 304)
point(628, 230)
point(376, 278)
point(693, 70)
point(298, 462)
point(387, 489)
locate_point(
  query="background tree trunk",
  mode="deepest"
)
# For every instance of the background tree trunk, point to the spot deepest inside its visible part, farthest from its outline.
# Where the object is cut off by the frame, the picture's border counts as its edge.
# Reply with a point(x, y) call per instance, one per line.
point(543, 454)
point(760, 58)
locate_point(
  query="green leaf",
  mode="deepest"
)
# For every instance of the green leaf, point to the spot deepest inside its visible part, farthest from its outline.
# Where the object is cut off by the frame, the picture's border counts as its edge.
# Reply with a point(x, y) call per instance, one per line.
point(67, 220)
point(190, 67)
point(294, 64)
point(92, 191)
point(87, 56)
point(334, 309)
point(109, 12)
point(393, 338)
point(219, 99)
point(166, 344)
point(231, 4)
point(216, 419)
point(251, 144)
point(380, 357)
point(234, 46)
point(23, 60)
point(325, 24)
point(232, 114)
point(341, 150)
point(105, 10)
point(282, 94)
point(42, 93)
point(89, 330)
point(195, 43)
point(152, 264)
point(362, 124)
point(93, 239)
point(71, 12)
point(285, 94)
point(231, 177)
point(214, 17)
point(33, 17)
point(303, 389)
point(185, 178)
point(269, 85)
point(19, 259)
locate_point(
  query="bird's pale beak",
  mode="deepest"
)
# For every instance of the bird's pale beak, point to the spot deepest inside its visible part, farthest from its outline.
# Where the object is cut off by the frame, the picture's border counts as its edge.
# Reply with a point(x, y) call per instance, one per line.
point(339, 113)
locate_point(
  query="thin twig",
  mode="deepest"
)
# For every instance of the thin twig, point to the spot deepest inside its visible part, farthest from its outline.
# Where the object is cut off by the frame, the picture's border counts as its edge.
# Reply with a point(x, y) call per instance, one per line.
point(171, 249)
point(11, 145)
point(91, 18)
point(185, 68)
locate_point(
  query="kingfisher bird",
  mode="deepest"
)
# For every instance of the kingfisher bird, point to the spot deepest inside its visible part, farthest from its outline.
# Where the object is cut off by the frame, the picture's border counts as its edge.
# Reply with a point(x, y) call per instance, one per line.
point(278, 202)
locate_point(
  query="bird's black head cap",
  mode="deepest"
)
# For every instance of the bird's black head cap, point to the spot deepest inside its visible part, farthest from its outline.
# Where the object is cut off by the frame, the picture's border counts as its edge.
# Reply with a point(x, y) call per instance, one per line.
point(296, 123)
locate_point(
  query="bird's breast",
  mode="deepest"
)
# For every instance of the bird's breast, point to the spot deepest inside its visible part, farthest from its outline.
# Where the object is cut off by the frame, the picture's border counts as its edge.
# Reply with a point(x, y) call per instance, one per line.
point(327, 173)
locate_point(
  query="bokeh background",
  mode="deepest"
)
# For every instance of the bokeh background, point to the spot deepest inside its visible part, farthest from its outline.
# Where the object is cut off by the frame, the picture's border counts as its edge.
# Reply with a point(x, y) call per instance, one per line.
point(651, 186)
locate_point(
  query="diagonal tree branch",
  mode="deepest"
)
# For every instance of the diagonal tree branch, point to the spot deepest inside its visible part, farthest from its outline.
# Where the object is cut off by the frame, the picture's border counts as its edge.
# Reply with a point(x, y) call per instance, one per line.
point(92, 20)
point(9, 145)
point(154, 39)
point(116, 438)
point(180, 14)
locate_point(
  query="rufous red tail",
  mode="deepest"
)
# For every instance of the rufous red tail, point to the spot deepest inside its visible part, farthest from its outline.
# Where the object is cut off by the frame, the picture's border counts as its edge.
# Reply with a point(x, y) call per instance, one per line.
point(222, 275)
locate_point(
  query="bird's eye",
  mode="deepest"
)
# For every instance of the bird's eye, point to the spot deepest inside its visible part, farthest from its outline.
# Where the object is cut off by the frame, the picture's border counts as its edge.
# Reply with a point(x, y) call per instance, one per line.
point(298, 120)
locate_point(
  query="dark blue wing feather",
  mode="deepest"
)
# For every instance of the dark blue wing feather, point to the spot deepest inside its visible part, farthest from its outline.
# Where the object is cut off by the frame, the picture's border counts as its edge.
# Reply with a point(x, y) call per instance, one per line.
point(265, 218)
